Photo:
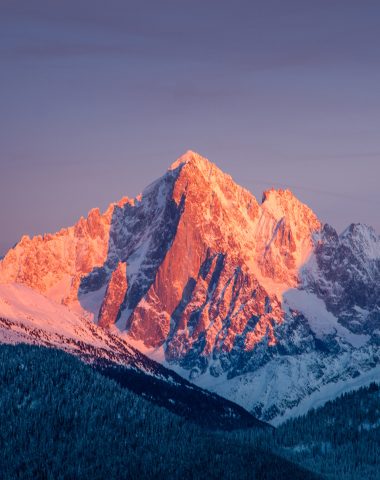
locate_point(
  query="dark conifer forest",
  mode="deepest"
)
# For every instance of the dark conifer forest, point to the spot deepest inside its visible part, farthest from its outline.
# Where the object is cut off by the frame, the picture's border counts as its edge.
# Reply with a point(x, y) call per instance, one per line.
point(341, 440)
point(61, 419)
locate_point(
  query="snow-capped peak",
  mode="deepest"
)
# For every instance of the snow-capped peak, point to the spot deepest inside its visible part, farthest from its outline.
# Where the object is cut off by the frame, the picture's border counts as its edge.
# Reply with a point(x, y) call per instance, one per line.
point(190, 157)
point(362, 237)
point(196, 268)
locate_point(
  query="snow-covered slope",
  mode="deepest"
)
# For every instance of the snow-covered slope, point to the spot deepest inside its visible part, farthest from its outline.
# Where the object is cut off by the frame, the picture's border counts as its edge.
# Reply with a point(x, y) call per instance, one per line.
point(29, 317)
point(257, 301)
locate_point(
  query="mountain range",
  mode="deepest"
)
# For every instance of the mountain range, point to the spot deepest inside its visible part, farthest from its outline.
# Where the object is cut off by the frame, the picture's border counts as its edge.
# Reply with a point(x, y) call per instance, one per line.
point(258, 302)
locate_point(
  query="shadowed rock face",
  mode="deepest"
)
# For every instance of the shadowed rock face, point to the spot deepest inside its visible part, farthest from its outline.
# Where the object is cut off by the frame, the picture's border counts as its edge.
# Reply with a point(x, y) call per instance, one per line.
point(197, 266)
point(347, 276)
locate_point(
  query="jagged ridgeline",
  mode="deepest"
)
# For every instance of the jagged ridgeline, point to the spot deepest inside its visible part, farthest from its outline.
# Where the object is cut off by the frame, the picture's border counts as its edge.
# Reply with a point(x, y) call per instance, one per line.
point(257, 301)
point(60, 419)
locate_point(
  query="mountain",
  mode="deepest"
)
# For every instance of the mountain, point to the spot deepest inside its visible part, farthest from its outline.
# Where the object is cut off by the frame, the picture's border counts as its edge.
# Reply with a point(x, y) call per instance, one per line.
point(259, 302)
point(29, 317)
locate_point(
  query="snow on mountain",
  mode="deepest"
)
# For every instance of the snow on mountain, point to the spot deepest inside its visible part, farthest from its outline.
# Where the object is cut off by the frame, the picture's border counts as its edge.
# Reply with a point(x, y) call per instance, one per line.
point(27, 316)
point(344, 272)
point(259, 302)
point(322, 322)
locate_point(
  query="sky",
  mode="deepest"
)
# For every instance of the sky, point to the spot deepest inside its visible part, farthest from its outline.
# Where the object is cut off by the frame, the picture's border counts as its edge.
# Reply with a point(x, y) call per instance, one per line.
point(98, 98)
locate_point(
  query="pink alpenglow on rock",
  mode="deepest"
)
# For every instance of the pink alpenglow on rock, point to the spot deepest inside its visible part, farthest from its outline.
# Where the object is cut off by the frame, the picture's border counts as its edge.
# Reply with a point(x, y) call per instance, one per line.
point(114, 296)
point(252, 300)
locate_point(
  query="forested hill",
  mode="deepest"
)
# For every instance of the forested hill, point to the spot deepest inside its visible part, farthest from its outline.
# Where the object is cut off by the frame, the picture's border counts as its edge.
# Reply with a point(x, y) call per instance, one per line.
point(61, 419)
point(341, 440)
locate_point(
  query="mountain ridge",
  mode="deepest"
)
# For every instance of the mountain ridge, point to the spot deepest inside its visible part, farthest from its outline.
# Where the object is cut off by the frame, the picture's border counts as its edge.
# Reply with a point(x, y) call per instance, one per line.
point(27, 317)
point(228, 289)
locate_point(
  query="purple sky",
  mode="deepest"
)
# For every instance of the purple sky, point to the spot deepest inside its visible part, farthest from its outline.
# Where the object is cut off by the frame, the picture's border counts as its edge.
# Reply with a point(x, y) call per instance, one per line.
point(98, 98)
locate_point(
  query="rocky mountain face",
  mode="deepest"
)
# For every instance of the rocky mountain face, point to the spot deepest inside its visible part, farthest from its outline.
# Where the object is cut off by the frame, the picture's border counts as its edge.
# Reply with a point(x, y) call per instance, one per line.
point(346, 275)
point(259, 302)
point(30, 318)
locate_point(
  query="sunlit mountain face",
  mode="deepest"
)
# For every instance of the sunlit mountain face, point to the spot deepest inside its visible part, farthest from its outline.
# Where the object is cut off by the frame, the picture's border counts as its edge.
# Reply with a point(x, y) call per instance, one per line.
point(258, 301)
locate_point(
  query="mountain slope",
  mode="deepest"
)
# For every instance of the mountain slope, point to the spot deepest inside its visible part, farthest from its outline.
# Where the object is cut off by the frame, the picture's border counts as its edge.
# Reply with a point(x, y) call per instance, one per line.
point(60, 419)
point(339, 440)
point(28, 317)
point(256, 301)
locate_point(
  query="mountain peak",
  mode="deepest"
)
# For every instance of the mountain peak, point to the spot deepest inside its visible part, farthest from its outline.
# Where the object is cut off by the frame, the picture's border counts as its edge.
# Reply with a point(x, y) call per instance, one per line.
point(355, 229)
point(279, 193)
point(191, 157)
point(221, 286)
point(283, 203)
point(363, 238)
